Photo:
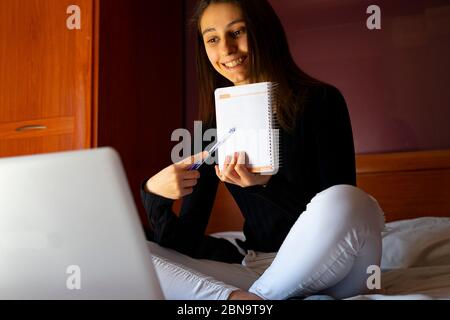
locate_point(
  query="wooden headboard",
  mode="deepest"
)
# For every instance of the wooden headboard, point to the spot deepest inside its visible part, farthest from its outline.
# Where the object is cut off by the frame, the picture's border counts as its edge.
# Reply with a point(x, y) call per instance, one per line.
point(406, 185)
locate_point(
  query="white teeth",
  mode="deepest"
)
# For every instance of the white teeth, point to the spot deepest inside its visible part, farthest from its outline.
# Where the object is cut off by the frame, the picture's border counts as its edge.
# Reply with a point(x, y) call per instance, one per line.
point(234, 63)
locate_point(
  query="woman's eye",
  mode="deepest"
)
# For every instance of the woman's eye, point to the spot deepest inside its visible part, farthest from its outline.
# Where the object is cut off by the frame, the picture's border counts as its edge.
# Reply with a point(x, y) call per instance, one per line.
point(237, 33)
point(212, 40)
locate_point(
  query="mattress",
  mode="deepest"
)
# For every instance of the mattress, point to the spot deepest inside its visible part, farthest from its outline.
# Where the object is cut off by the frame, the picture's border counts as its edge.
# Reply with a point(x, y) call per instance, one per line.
point(415, 263)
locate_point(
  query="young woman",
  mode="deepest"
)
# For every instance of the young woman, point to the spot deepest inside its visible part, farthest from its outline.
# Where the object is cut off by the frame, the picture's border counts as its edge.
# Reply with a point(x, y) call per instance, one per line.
point(308, 229)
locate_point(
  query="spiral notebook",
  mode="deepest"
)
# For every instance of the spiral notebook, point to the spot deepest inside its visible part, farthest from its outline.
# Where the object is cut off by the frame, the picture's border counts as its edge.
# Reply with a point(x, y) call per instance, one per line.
point(251, 110)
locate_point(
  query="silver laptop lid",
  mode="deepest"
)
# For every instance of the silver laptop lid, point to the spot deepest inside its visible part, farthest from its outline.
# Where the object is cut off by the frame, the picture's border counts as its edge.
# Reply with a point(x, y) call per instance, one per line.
point(69, 229)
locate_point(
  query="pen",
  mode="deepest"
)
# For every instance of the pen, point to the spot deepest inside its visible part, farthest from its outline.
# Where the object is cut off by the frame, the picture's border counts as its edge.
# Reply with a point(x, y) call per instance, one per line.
point(216, 146)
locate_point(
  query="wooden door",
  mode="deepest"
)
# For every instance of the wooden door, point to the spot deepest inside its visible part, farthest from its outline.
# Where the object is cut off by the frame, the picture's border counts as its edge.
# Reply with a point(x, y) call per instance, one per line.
point(45, 76)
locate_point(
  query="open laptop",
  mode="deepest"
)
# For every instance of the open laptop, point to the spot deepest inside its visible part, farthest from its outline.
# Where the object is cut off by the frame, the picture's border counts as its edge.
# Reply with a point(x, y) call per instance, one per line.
point(69, 229)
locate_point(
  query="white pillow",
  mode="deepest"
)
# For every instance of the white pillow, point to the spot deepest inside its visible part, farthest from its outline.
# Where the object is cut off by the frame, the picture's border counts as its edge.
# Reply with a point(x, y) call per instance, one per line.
point(416, 242)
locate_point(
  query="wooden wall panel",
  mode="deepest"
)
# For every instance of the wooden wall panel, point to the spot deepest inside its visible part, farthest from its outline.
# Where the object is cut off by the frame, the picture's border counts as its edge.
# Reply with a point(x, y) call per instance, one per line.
point(226, 215)
point(407, 184)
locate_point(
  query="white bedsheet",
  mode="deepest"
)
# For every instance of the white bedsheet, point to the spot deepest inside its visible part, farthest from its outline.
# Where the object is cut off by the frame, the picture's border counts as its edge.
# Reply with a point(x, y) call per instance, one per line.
point(432, 282)
point(415, 261)
point(416, 243)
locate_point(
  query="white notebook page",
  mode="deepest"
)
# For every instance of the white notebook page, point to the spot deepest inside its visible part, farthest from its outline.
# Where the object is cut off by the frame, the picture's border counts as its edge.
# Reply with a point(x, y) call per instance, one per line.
point(247, 109)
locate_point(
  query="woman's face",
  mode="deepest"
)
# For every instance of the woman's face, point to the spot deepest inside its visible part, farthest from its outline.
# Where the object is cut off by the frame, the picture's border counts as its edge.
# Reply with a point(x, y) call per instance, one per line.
point(225, 38)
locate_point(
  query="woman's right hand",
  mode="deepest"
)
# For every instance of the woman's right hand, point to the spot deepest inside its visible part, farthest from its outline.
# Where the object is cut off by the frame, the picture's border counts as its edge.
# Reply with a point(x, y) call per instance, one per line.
point(176, 180)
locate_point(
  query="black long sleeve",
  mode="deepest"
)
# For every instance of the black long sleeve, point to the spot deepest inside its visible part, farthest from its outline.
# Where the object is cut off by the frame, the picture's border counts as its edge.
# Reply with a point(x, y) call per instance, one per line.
point(318, 154)
point(186, 233)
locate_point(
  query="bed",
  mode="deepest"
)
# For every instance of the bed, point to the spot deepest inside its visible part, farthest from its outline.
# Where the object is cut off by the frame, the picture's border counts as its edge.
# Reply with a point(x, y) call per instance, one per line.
point(413, 188)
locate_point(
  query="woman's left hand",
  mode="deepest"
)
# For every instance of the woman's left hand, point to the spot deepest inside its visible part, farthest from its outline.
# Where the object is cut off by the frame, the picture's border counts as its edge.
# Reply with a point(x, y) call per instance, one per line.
point(235, 171)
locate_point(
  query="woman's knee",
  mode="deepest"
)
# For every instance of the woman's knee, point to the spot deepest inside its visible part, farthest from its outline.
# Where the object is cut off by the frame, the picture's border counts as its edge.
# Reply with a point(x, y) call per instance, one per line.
point(349, 203)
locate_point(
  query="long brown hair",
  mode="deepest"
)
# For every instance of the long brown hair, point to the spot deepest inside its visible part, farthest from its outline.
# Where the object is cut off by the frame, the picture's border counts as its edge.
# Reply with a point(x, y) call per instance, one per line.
point(270, 60)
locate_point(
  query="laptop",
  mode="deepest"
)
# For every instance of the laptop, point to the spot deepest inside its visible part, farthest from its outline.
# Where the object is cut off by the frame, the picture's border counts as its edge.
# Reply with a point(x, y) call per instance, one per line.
point(69, 229)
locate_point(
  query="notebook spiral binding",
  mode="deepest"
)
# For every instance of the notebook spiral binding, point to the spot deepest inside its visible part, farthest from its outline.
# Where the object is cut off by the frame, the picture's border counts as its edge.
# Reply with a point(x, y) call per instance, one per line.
point(274, 132)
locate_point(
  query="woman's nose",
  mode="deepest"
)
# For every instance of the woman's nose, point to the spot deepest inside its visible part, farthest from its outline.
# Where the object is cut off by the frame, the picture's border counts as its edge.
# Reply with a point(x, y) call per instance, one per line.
point(228, 47)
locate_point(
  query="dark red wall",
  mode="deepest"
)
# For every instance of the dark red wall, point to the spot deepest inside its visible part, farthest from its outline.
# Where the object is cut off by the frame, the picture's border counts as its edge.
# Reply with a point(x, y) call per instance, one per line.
point(140, 83)
point(395, 79)
point(190, 80)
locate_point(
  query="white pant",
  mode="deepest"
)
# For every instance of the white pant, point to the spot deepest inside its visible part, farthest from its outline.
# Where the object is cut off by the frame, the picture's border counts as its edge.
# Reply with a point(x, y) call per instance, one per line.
point(327, 251)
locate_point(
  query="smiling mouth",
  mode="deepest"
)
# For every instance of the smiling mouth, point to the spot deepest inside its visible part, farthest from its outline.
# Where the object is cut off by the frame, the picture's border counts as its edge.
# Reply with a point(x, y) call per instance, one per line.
point(234, 63)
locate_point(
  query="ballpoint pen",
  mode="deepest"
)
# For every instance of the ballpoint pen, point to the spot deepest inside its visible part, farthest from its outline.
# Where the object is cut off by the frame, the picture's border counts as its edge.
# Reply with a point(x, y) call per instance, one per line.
point(216, 146)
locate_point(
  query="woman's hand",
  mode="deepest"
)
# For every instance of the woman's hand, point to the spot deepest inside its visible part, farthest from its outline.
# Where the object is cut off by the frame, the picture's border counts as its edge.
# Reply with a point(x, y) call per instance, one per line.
point(176, 181)
point(235, 171)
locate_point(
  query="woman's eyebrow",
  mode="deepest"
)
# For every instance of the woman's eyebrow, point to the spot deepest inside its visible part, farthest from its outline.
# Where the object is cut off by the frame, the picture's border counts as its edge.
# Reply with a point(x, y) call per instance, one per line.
point(228, 25)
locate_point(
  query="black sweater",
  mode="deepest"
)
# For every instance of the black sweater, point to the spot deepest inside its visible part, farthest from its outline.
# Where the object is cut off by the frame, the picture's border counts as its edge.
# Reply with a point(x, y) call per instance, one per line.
point(318, 154)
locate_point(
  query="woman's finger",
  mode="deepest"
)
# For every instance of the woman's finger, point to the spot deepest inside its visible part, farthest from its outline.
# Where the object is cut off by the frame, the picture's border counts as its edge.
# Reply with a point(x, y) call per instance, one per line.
point(241, 159)
point(189, 183)
point(224, 178)
point(230, 174)
point(192, 174)
point(241, 167)
point(226, 163)
point(230, 161)
point(189, 161)
point(218, 174)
